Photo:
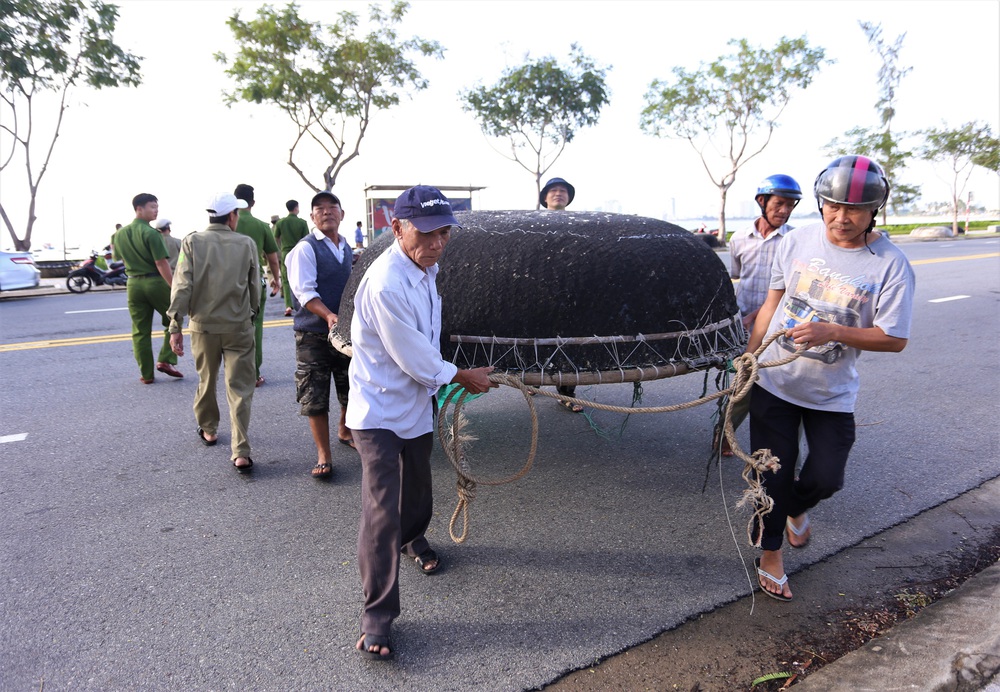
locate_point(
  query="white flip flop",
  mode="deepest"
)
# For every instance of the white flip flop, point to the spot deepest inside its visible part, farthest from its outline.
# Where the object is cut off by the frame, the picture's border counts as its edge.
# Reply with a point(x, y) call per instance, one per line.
point(780, 582)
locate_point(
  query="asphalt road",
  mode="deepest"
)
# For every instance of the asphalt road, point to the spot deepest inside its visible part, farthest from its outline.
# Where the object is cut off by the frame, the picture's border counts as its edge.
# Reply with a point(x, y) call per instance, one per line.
point(132, 557)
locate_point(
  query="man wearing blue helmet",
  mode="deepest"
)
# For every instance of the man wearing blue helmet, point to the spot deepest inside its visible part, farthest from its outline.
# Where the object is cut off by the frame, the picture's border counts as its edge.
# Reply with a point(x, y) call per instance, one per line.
point(751, 252)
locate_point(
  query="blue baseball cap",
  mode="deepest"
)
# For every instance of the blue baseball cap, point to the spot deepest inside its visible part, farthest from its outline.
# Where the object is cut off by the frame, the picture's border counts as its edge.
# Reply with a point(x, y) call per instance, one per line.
point(426, 208)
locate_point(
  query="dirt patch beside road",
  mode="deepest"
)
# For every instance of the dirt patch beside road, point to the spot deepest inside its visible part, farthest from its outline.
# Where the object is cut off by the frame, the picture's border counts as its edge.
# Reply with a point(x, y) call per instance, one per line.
point(840, 603)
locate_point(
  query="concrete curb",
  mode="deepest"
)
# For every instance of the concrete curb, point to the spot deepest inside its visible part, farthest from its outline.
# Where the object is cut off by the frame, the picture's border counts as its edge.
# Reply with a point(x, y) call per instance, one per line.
point(953, 644)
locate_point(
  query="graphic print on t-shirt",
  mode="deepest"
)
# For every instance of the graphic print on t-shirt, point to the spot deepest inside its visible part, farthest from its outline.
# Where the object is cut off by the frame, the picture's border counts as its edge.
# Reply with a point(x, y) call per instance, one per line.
point(817, 293)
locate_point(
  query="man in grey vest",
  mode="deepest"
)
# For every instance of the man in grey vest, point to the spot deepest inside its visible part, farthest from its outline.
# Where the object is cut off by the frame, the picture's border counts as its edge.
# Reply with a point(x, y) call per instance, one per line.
point(318, 268)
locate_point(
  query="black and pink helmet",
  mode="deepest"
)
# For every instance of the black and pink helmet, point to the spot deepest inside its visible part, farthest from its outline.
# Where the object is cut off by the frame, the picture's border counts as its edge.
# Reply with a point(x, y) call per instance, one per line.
point(854, 181)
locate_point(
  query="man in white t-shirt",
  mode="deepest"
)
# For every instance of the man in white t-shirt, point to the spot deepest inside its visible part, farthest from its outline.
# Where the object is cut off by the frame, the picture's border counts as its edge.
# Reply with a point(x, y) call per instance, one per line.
point(838, 288)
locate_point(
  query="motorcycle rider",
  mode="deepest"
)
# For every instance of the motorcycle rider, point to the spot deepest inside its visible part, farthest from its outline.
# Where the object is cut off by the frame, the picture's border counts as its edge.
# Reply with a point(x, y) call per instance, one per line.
point(96, 270)
point(103, 259)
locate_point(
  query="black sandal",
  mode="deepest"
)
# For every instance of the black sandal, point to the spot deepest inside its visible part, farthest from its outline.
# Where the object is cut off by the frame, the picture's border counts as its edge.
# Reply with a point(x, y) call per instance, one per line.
point(368, 641)
point(246, 467)
point(205, 441)
point(425, 557)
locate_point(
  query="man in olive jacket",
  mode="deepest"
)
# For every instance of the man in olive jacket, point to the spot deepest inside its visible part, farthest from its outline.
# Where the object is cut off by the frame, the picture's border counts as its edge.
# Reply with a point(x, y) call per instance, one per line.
point(218, 285)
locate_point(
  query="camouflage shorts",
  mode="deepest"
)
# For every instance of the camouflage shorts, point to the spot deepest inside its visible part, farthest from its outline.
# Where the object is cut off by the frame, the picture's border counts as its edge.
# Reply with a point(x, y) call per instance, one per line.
point(315, 362)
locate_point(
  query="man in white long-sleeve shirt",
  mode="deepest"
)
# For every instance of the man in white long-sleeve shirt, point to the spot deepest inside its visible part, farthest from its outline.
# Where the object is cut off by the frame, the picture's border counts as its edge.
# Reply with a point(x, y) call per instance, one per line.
point(395, 372)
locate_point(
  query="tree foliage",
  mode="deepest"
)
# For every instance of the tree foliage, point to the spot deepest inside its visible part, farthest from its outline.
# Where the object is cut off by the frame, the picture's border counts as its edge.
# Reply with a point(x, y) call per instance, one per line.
point(988, 156)
point(960, 149)
point(539, 106)
point(50, 46)
point(884, 147)
point(328, 79)
point(732, 104)
point(882, 144)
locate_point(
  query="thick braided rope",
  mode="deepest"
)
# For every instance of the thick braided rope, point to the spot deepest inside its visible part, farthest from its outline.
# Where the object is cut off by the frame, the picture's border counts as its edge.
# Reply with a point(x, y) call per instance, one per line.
point(747, 368)
point(452, 439)
point(755, 496)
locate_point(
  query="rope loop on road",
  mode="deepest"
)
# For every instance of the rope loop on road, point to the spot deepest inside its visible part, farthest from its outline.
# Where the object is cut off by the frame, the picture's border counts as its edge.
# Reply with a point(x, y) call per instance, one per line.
point(455, 438)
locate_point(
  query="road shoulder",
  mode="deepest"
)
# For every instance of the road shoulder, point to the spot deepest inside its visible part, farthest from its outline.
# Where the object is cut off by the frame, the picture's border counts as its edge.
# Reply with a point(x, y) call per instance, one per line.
point(840, 603)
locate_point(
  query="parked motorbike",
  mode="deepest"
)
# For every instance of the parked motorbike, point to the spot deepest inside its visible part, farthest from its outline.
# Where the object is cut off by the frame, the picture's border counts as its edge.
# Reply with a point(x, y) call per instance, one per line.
point(88, 274)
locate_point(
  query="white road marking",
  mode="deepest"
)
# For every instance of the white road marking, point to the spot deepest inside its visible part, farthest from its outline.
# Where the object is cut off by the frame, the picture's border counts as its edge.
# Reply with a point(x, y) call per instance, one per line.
point(80, 312)
point(948, 299)
point(20, 437)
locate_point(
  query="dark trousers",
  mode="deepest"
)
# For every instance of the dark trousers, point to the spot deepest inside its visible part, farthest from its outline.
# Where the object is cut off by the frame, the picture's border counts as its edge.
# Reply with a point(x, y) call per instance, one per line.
point(396, 508)
point(774, 425)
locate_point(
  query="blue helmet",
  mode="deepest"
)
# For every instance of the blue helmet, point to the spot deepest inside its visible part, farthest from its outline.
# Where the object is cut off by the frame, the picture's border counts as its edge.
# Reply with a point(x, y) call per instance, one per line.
point(781, 185)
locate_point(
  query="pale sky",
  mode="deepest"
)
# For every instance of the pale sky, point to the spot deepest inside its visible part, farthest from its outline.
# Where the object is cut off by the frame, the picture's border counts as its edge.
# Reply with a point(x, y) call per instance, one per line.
point(173, 136)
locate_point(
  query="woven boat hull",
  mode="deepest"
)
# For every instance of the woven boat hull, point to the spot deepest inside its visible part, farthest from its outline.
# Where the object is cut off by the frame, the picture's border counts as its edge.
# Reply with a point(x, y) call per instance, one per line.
point(577, 297)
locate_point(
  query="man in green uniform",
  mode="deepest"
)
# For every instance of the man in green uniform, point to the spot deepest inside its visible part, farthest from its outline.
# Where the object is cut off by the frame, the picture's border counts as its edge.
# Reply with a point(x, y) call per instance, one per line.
point(261, 234)
point(149, 276)
point(218, 285)
point(287, 232)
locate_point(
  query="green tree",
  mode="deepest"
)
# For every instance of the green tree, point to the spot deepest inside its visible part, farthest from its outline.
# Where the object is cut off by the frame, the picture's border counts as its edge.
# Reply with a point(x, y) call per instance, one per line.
point(731, 105)
point(988, 156)
point(885, 149)
point(50, 46)
point(328, 79)
point(960, 149)
point(539, 106)
point(881, 143)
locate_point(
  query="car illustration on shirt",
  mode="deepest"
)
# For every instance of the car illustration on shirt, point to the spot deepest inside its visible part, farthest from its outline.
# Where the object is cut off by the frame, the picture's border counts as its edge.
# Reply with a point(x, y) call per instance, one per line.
point(802, 308)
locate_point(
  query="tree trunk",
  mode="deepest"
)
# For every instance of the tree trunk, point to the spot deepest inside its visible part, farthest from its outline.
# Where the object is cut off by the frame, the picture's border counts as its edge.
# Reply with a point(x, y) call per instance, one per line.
point(724, 191)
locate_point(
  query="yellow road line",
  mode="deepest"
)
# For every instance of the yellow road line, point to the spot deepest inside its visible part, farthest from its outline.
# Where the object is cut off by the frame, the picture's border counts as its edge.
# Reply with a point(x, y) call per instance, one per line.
point(956, 259)
point(105, 339)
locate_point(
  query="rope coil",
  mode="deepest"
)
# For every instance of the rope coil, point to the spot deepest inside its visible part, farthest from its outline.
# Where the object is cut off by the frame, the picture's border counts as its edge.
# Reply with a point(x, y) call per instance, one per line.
point(454, 439)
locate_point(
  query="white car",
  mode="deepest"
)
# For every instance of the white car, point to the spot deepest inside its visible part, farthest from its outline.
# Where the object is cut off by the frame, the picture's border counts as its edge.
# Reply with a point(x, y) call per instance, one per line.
point(18, 270)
